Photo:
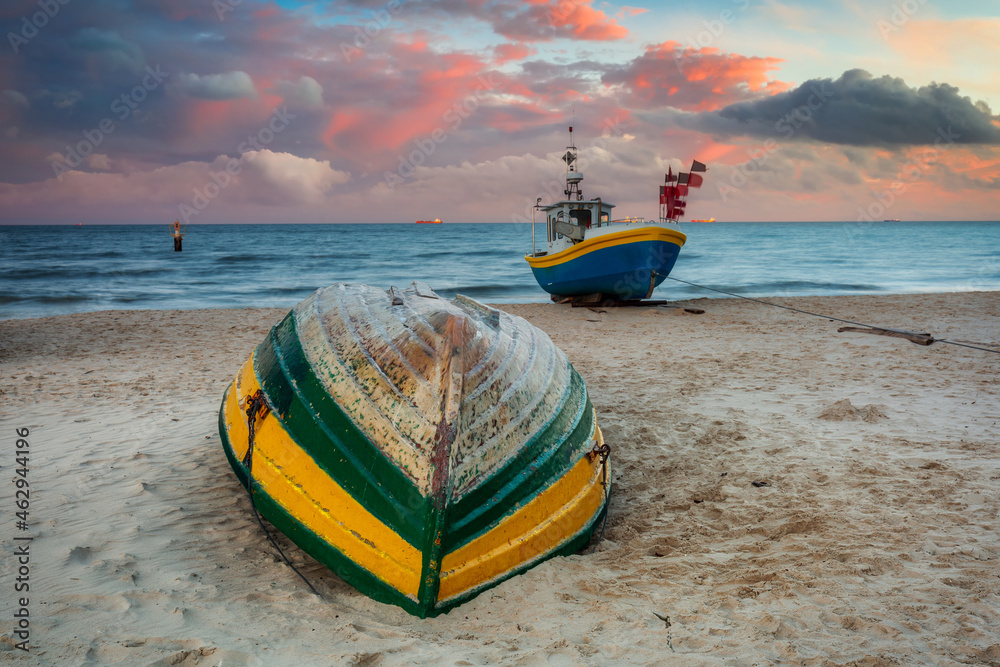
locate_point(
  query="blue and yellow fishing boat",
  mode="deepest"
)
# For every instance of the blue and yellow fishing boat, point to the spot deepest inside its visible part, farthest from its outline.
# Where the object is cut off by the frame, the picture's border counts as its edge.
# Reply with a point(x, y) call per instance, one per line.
point(589, 254)
point(422, 449)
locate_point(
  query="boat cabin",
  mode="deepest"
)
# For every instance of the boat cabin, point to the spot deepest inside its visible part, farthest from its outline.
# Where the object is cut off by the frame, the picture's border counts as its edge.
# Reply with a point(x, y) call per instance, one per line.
point(571, 219)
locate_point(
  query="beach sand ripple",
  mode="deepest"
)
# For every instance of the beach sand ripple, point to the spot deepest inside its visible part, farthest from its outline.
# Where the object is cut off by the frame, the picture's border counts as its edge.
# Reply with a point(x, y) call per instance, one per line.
point(782, 492)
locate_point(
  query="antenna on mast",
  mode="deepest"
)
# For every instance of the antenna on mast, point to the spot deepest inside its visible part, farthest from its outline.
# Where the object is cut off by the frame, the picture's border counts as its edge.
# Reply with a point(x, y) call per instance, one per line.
point(573, 177)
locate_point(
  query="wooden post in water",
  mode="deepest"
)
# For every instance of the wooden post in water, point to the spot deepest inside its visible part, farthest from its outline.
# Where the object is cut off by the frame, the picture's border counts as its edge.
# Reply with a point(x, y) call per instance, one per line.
point(178, 234)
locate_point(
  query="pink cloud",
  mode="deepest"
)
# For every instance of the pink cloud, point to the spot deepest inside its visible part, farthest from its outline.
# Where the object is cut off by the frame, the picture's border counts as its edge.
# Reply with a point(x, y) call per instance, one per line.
point(584, 21)
point(430, 92)
point(703, 79)
point(202, 118)
point(265, 178)
point(508, 52)
point(542, 20)
point(515, 117)
point(629, 12)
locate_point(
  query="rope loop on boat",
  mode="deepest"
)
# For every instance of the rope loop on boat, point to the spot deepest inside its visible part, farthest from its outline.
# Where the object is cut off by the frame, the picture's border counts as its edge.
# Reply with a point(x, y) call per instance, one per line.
point(604, 451)
point(256, 408)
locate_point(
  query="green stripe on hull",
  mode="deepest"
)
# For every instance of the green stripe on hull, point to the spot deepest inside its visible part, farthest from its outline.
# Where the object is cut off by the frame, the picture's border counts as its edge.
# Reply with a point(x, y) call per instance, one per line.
point(430, 579)
point(366, 582)
point(355, 395)
point(317, 424)
point(543, 460)
point(574, 545)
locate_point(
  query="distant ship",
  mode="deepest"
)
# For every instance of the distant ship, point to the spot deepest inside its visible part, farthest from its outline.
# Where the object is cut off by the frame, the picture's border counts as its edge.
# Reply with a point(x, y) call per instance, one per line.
point(704, 220)
point(891, 220)
point(435, 221)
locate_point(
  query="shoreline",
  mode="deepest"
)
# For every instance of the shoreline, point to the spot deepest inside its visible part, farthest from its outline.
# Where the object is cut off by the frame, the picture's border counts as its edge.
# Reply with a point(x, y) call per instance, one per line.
point(782, 492)
point(670, 303)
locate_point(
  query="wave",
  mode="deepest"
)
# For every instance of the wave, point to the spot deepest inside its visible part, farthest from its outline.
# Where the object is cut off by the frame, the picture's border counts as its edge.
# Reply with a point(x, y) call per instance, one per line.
point(45, 298)
point(47, 273)
point(484, 290)
point(140, 298)
point(440, 254)
point(239, 259)
point(326, 256)
point(80, 273)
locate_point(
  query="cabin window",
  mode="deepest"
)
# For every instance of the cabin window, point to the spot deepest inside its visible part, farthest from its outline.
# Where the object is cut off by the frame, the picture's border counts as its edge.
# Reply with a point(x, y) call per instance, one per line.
point(605, 218)
point(580, 216)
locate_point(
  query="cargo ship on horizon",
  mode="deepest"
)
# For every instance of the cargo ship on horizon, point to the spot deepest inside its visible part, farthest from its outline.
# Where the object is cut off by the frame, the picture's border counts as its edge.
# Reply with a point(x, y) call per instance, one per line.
point(435, 221)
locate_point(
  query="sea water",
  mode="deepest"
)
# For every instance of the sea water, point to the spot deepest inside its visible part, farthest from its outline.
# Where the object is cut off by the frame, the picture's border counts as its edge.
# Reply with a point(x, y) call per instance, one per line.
point(53, 270)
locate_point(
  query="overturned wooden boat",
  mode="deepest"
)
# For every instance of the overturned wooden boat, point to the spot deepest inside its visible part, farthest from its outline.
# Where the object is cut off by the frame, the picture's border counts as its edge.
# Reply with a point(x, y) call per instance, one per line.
point(422, 449)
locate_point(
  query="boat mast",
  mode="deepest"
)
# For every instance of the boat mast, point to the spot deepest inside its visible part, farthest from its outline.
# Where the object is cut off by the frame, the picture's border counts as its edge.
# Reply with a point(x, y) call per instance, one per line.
point(573, 177)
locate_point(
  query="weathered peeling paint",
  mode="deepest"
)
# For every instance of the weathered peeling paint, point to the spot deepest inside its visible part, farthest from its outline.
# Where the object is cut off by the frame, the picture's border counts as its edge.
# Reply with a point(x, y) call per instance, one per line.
point(455, 428)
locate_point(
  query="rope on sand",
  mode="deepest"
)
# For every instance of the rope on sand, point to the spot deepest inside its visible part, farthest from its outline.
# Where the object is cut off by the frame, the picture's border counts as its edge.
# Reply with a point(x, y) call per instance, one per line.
point(927, 339)
point(257, 407)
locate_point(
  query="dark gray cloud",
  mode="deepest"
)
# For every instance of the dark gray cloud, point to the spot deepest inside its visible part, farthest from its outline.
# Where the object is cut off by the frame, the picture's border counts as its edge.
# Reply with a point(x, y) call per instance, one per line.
point(85, 64)
point(305, 93)
point(224, 86)
point(108, 45)
point(860, 110)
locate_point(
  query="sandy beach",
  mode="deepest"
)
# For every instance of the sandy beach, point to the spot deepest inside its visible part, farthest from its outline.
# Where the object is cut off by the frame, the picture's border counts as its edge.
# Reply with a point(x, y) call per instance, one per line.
point(784, 493)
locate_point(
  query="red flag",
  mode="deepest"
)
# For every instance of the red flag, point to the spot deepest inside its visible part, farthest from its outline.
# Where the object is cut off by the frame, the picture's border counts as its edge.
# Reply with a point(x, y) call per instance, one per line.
point(682, 190)
point(663, 194)
point(695, 181)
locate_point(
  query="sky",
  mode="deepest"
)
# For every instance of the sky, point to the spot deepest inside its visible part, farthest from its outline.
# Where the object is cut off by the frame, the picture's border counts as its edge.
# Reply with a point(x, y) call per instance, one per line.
point(232, 111)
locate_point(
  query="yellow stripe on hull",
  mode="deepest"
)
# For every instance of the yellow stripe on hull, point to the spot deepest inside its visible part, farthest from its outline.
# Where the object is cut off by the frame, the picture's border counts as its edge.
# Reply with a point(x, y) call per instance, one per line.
point(606, 241)
point(529, 533)
point(307, 493)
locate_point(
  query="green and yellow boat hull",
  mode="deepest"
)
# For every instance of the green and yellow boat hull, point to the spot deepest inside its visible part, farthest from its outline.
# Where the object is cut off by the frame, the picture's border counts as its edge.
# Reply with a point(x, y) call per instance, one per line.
point(422, 449)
